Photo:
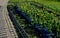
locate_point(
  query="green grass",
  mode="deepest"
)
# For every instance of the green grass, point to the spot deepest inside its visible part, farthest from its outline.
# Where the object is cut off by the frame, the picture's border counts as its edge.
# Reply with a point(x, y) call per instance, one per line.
point(43, 16)
point(52, 4)
point(32, 11)
point(43, 1)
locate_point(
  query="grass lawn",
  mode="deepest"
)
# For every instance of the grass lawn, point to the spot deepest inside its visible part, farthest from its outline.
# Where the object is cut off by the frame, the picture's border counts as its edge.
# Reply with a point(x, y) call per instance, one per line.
point(32, 11)
point(52, 4)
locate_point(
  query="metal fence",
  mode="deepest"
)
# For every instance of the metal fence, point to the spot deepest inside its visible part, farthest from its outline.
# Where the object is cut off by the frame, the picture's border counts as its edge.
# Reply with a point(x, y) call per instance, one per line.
point(19, 28)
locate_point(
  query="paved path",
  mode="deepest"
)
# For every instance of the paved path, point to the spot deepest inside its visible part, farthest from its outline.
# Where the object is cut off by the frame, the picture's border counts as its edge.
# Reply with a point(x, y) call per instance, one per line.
point(6, 27)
